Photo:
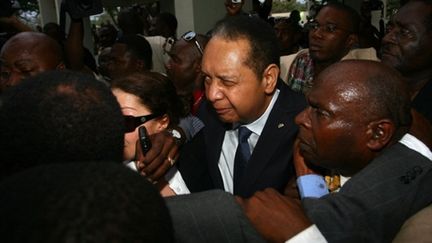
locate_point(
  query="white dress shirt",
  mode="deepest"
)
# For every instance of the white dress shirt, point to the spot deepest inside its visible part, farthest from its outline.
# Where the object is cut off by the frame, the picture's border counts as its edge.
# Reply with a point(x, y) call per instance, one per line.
point(230, 142)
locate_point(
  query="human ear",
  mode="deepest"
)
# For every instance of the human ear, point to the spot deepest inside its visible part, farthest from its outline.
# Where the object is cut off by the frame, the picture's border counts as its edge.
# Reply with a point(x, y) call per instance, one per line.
point(379, 134)
point(352, 41)
point(162, 123)
point(270, 77)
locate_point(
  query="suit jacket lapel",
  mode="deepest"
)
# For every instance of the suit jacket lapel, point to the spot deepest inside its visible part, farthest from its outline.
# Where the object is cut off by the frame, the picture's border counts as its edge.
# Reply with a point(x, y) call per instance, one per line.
point(280, 126)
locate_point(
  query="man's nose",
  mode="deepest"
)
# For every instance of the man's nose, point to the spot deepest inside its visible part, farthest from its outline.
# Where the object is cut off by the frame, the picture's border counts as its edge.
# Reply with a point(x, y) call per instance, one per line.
point(302, 119)
point(213, 92)
point(390, 37)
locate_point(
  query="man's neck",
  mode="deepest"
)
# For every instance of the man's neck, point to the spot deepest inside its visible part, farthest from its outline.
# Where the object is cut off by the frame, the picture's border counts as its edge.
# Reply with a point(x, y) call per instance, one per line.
point(320, 66)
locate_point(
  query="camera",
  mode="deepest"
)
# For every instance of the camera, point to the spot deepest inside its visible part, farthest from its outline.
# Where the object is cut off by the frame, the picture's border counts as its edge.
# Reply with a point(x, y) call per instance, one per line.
point(83, 8)
point(8, 7)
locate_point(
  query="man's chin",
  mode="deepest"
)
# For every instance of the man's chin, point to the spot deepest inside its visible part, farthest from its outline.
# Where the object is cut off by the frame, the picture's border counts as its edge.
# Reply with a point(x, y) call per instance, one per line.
point(227, 119)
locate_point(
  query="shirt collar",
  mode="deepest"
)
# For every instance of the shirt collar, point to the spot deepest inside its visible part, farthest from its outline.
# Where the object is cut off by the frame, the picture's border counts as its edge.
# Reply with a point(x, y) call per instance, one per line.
point(258, 125)
point(415, 144)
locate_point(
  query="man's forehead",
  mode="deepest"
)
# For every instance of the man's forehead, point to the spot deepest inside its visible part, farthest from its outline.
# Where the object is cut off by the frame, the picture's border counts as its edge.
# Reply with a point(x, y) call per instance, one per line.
point(238, 48)
point(118, 49)
point(181, 46)
point(340, 86)
point(329, 14)
point(414, 12)
point(11, 54)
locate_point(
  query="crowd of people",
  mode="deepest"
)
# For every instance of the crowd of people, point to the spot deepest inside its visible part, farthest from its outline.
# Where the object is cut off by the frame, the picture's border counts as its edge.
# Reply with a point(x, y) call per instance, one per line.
point(260, 130)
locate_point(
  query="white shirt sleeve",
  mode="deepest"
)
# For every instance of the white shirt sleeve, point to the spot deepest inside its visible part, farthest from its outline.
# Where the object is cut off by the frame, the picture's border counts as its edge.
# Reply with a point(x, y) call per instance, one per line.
point(311, 234)
point(173, 177)
point(176, 182)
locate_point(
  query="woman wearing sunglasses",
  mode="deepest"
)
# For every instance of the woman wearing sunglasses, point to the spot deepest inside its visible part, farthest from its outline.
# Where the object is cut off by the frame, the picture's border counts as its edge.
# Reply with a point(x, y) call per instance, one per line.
point(150, 100)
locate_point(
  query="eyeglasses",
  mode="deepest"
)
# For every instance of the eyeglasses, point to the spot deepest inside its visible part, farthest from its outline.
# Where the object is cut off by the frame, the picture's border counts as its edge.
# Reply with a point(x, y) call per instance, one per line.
point(326, 28)
point(132, 122)
point(191, 36)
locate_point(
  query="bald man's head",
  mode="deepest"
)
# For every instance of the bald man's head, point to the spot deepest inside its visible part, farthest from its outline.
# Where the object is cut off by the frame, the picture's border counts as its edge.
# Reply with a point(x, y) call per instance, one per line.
point(27, 54)
point(379, 91)
point(357, 108)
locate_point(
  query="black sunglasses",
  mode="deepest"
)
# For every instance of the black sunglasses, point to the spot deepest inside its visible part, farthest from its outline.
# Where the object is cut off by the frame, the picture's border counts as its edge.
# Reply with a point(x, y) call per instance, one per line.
point(191, 36)
point(132, 122)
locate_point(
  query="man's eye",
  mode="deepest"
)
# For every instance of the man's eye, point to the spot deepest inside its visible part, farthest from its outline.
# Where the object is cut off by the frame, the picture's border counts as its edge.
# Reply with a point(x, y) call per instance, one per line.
point(207, 79)
point(330, 28)
point(228, 83)
point(405, 32)
point(319, 112)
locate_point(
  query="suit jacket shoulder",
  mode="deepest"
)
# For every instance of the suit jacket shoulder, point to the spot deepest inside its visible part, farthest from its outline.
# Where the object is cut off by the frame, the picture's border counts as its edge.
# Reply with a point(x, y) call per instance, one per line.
point(375, 202)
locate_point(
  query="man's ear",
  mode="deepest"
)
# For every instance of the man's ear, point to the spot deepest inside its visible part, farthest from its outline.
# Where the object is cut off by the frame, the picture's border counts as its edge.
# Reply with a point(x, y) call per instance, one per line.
point(379, 134)
point(270, 78)
point(197, 66)
point(352, 41)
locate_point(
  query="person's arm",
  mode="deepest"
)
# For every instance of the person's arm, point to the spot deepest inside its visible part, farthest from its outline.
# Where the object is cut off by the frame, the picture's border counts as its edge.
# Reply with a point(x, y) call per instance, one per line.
point(74, 47)
point(190, 126)
point(311, 234)
point(13, 22)
point(173, 184)
point(275, 216)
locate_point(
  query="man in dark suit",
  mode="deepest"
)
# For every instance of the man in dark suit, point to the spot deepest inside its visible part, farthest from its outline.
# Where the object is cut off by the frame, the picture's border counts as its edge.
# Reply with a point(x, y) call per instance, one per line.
point(356, 125)
point(240, 65)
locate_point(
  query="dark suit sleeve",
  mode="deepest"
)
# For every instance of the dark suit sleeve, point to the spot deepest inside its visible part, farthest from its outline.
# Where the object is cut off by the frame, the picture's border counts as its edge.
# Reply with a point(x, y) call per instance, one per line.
point(192, 165)
point(373, 205)
point(211, 216)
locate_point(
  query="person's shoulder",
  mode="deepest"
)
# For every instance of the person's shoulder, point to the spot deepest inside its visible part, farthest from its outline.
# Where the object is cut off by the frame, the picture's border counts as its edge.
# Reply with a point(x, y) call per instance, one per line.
point(362, 54)
point(287, 60)
point(155, 40)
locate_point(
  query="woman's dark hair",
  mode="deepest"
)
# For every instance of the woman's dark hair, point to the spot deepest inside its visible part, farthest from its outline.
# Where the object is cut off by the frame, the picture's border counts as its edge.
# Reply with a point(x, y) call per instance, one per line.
point(155, 91)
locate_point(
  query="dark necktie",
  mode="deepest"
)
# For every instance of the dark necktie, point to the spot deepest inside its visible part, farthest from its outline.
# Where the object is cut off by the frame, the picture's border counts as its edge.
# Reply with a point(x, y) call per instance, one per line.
point(242, 156)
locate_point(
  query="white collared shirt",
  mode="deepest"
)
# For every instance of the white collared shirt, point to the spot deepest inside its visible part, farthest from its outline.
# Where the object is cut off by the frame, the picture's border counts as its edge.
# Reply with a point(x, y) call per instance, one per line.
point(229, 145)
